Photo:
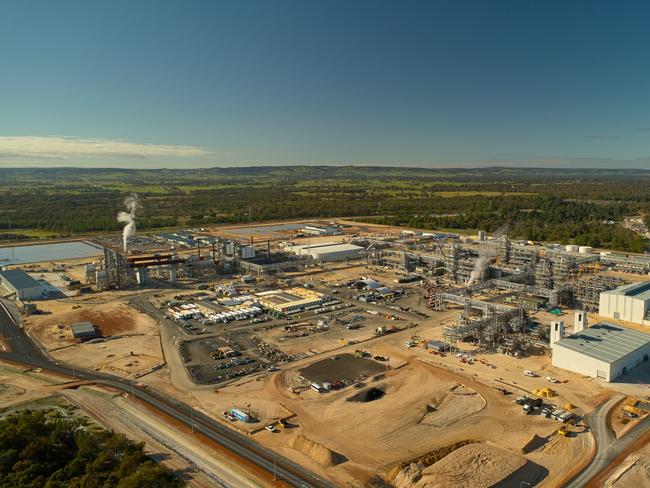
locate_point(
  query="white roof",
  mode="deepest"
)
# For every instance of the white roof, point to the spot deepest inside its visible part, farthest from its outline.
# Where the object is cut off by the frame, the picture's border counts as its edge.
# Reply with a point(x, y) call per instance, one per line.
point(336, 248)
point(605, 342)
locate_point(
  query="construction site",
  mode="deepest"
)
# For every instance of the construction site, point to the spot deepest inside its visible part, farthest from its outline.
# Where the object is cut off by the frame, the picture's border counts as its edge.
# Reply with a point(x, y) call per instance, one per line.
point(423, 349)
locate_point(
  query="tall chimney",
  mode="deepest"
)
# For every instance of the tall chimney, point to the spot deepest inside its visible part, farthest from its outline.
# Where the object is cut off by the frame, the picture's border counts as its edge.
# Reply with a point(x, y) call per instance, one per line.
point(557, 331)
point(580, 322)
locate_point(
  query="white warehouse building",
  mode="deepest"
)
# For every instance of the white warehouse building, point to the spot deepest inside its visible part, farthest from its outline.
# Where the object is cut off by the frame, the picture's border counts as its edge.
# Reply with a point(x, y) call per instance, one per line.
point(329, 251)
point(629, 302)
point(603, 351)
point(24, 286)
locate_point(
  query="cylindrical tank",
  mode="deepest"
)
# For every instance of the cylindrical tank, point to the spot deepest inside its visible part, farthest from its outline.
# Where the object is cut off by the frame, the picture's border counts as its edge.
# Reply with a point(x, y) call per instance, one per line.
point(585, 249)
point(572, 248)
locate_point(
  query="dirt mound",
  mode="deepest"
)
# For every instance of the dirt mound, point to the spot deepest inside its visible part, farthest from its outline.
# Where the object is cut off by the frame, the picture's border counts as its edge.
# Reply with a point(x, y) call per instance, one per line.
point(368, 395)
point(408, 475)
point(458, 403)
point(475, 465)
point(120, 320)
point(319, 453)
point(535, 442)
point(409, 472)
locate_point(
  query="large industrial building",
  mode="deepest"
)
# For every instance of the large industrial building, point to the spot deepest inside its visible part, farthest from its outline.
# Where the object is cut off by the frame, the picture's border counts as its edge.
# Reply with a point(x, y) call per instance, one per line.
point(322, 230)
point(24, 286)
point(329, 251)
point(291, 300)
point(603, 351)
point(629, 302)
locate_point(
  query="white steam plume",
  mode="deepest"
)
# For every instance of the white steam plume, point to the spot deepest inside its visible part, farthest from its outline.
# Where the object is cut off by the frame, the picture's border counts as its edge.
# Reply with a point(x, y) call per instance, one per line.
point(478, 273)
point(128, 218)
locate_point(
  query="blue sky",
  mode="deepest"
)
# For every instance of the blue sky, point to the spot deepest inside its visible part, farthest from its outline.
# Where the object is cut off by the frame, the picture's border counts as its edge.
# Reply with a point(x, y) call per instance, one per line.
point(208, 83)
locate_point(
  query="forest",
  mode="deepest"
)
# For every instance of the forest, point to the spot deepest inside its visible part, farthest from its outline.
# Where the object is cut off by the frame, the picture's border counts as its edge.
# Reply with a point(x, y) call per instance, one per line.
point(43, 449)
point(539, 204)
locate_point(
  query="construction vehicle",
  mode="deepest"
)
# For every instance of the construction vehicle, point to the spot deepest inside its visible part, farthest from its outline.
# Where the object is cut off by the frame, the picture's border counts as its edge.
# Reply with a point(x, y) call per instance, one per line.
point(633, 411)
point(531, 404)
point(563, 430)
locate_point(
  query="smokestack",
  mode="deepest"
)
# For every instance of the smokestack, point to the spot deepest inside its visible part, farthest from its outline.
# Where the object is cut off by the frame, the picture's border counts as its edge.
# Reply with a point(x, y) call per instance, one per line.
point(557, 331)
point(128, 218)
point(580, 322)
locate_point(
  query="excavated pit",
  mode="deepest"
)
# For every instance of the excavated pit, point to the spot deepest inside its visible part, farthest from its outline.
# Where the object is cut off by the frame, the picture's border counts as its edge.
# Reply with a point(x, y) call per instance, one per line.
point(369, 395)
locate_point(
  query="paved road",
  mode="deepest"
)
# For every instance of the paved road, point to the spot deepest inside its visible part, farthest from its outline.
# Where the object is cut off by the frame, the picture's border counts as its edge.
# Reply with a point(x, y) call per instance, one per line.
point(24, 351)
point(608, 447)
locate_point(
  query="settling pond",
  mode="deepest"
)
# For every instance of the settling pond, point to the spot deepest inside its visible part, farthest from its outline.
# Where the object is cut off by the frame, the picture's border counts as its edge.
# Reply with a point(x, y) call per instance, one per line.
point(47, 252)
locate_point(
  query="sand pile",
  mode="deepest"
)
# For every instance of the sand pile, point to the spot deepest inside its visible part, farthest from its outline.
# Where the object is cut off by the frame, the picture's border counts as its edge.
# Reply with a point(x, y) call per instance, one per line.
point(406, 474)
point(472, 466)
point(319, 453)
point(535, 442)
point(459, 402)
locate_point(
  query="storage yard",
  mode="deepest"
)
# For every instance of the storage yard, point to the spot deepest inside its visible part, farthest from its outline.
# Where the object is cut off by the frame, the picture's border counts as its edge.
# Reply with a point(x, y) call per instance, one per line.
point(420, 349)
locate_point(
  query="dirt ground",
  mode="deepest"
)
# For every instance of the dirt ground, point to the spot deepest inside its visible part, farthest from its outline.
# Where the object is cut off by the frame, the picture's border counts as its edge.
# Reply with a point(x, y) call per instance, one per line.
point(113, 318)
point(507, 372)
point(633, 472)
point(18, 388)
point(424, 407)
point(429, 401)
point(337, 272)
point(132, 348)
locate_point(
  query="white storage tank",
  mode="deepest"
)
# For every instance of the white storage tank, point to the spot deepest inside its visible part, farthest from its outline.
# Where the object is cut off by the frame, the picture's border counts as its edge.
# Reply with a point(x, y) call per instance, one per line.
point(247, 252)
point(585, 249)
point(572, 248)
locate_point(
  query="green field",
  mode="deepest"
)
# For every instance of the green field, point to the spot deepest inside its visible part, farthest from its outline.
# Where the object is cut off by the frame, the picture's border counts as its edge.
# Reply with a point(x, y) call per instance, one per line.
point(567, 206)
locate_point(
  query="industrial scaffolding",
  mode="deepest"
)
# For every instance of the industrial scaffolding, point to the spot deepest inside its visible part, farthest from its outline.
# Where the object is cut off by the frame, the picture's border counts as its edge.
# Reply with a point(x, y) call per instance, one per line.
point(491, 330)
point(459, 264)
point(586, 292)
point(118, 270)
point(627, 263)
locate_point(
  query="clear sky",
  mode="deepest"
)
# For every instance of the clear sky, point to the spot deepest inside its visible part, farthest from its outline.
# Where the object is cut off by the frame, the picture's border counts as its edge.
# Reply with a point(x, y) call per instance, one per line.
point(192, 83)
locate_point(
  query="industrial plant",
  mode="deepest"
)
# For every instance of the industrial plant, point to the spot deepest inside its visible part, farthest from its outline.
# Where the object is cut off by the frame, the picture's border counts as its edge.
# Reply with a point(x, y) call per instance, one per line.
point(280, 330)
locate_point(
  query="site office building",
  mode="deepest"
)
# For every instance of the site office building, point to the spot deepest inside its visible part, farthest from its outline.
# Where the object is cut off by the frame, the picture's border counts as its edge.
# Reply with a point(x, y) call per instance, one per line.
point(603, 351)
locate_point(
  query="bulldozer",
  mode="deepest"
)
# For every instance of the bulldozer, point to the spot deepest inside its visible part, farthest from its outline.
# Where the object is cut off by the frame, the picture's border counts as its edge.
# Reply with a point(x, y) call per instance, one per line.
point(563, 430)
